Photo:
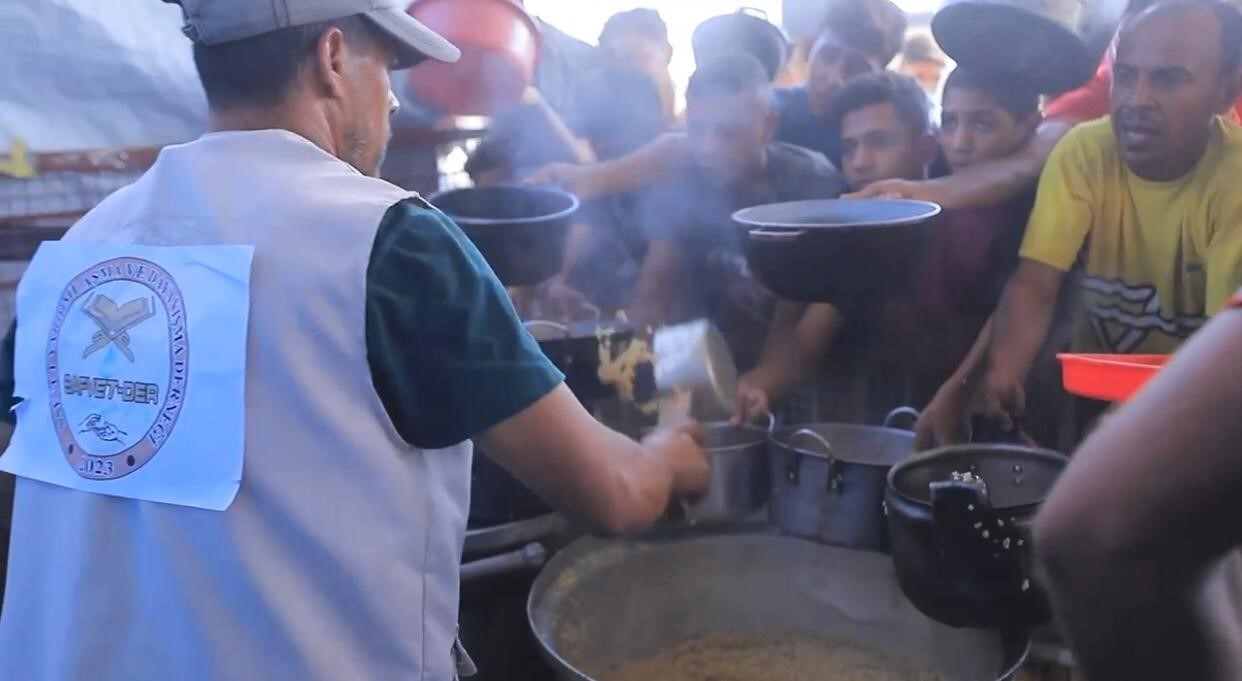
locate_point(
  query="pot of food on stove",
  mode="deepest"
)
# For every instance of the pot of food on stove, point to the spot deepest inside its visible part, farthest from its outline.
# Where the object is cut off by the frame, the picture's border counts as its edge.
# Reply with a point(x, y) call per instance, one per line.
point(740, 602)
point(520, 230)
point(836, 251)
point(828, 480)
point(959, 519)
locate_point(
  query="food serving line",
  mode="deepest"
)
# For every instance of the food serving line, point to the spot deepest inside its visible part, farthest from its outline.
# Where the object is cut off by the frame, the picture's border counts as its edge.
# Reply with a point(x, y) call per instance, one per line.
point(831, 531)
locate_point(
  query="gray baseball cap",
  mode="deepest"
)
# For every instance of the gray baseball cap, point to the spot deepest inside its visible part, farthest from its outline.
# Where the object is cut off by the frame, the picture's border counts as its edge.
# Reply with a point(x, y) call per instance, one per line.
point(211, 22)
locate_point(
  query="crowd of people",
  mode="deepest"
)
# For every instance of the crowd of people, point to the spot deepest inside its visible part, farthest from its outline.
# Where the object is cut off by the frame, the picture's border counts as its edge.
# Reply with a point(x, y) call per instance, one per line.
point(657, 240)
point(305, 513)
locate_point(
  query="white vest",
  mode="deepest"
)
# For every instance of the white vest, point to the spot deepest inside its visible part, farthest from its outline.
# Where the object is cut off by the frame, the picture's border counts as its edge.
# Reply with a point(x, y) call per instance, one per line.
point(338, 560)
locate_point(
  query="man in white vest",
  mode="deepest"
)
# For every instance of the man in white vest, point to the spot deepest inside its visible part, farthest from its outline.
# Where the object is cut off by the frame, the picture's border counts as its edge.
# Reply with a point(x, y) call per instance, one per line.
point(245, 389)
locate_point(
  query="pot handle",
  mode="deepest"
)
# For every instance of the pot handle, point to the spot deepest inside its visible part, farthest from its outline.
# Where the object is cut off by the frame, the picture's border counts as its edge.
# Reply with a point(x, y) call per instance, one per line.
point(900, 412)
point(958, 507)
point(834, 474)
point(529, 556)
point(754, 12)
point(771, 422)
point(544, 324)
point(776, 234)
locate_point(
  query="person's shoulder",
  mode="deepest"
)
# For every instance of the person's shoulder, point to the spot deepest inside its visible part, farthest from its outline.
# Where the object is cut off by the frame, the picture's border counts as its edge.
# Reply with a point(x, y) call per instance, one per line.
point(796, 169)
point(413, 227)
point(1228, 135)
point(787, 96)
point(1091, 137)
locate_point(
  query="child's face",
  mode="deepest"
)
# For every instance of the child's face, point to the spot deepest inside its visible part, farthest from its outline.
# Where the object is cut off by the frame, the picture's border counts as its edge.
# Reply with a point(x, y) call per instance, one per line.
point(974, 129)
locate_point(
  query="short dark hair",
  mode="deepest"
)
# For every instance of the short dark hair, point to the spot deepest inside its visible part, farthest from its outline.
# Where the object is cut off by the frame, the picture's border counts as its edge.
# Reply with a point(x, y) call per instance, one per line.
point(903, 92)
point(641, 21)
point(260, 71)
point(877, 28)
point(1229, 18)
point(728, 74)
point(1009, 93)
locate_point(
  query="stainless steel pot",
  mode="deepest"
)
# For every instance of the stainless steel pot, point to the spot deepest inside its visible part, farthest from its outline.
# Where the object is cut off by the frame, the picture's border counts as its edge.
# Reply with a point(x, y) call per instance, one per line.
point(828, 480)
point(599, 604)
point(739, 483)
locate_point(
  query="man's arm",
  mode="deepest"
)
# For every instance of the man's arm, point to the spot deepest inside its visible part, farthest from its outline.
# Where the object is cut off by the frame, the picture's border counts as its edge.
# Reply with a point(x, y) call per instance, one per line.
point(577, 464)
point(1142, 512)
point(657, 282)
point(944, 420)
point(987, 184)
point(799, 339)
point(451, 361)
point(640, 169)
point(1019, 328)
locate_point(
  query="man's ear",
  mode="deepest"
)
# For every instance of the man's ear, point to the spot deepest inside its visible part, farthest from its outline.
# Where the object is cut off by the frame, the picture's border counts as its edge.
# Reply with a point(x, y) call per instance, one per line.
point(331, 56)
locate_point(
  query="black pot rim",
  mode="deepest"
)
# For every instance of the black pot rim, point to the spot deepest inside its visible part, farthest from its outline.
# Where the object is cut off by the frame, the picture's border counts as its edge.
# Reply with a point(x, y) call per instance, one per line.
point(953, 450)
point(574, 205)
point(744, 216)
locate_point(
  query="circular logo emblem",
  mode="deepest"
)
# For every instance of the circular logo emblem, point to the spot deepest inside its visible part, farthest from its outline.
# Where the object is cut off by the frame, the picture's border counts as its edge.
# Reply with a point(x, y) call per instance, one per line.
point(118, 356)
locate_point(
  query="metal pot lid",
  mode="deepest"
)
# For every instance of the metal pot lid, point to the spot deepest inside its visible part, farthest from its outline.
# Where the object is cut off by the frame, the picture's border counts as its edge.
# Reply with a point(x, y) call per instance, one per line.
point(1015, 476)
point(837, 213)
point(1002, 38)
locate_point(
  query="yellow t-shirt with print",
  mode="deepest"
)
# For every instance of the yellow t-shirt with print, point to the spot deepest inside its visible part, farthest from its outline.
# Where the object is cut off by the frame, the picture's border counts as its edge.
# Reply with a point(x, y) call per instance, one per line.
point(1158, 257)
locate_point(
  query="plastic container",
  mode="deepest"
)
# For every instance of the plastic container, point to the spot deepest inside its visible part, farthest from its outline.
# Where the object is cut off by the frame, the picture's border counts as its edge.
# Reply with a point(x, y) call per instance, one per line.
point(1112, 378)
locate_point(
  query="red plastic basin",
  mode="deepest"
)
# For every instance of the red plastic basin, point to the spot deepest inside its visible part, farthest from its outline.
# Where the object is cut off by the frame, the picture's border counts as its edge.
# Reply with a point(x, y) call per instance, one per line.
point(1113, 378)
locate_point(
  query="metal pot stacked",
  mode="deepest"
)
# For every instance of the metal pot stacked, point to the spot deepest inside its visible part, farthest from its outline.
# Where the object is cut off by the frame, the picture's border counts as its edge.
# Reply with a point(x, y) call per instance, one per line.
point(828, 480)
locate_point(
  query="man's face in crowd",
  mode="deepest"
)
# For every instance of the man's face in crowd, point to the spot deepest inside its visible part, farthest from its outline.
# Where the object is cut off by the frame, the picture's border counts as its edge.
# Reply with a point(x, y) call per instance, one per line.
point(364, 105)
point(1168, 82)
point(877, 145)
point(974, 128)
point(831, 67)
point(728, 135)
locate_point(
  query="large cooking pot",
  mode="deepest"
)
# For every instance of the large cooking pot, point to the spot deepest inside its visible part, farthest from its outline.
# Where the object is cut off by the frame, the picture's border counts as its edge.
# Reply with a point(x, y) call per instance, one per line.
point(738, 485)
point(1030, 43)
point(521, 231)
point(959, 520)
point(499, 44)
point(599, 604)
point(828, 480)
point(746, 30)
point(836, 251)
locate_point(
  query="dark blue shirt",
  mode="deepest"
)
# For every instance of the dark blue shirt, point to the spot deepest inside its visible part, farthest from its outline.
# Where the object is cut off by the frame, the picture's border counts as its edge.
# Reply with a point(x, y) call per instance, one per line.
point(801, 127)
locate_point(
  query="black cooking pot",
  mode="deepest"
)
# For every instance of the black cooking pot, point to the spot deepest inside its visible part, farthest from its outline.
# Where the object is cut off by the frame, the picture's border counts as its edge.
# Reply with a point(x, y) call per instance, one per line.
point(836, 251)
point(959, 521)
point(1013, 40)
point(521, 231)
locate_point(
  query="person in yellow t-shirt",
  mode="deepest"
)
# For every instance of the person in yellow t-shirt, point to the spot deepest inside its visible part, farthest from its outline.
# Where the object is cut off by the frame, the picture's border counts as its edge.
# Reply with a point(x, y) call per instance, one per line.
point(1146, 200)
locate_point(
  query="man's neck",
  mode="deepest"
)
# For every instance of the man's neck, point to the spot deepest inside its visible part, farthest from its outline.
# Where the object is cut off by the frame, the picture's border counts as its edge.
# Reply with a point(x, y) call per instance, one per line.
point(313, 128)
